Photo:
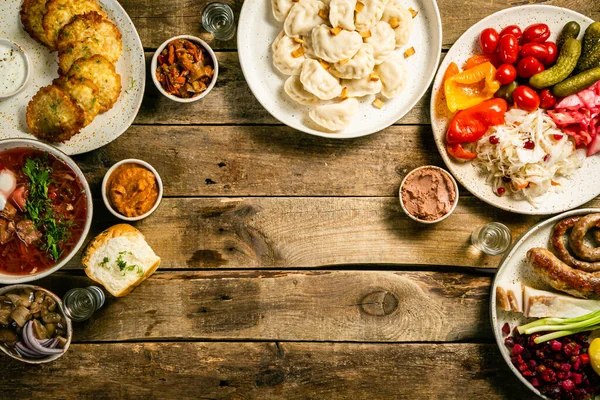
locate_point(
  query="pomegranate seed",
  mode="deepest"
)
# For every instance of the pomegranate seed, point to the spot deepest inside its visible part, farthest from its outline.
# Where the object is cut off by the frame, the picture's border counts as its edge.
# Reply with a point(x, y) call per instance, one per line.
point(523, 367)
point(576, 378)
point(494, 139)
point(501, 191)
point(557, 136)
point(568, 349)
point(506, 328)
point(567, 385)
point(585, 359)
point(555, 345)
point(577, 365)
point(529, 144)
point(565, 367)
point(535, 382)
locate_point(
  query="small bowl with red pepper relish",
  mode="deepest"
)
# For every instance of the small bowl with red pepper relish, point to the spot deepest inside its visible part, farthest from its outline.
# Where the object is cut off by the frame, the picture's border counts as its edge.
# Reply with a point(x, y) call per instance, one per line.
point(184, 69)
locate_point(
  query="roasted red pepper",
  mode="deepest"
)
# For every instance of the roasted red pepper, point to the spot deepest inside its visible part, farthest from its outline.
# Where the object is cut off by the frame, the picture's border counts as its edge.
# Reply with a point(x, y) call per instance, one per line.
point(468, 126)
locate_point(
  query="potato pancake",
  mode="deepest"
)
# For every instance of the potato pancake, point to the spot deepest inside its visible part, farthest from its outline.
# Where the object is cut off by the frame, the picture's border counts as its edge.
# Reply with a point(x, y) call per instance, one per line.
point(53, 116)
point(32, 14)
point(85, 93)
point(102, 72)
point(87, 35)
point(60, 12)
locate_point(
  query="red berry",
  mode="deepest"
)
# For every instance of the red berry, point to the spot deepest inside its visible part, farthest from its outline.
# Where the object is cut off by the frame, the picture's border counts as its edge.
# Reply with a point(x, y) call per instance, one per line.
point(501, 191)
point(556, 136)
point(529, 144)
point(555, 345)
point(567, 385)
point(494, 139)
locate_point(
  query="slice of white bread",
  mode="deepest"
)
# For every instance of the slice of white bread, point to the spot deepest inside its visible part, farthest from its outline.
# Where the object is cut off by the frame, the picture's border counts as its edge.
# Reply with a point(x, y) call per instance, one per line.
point(119, 259)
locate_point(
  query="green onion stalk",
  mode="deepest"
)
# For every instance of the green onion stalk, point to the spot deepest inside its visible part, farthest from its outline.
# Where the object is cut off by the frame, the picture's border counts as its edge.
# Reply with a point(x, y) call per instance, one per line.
point(559, 327)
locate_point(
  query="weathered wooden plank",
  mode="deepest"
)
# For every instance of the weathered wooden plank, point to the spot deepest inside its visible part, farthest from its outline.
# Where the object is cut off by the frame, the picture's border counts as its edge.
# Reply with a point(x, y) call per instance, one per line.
point(302, 232)
point(359, 306)
point(230, 102)
point(268, 161)
point(267, 371)
point(158, 21)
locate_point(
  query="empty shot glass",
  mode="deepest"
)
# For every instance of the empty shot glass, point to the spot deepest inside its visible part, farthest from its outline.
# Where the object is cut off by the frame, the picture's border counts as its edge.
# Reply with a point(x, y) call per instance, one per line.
point(493, 238)
point(218, 19)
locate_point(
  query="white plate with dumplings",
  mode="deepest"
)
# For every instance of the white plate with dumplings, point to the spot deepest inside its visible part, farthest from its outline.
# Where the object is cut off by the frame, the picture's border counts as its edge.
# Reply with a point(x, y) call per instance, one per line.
point(323, 81)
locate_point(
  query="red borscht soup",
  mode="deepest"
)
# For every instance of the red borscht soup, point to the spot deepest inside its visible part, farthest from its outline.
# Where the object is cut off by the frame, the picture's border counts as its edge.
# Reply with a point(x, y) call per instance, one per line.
point(43, 211)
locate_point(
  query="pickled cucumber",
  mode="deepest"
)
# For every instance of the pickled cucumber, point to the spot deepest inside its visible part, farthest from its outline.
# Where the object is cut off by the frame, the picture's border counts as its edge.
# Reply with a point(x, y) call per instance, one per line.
point(570, 30)
point(590, 59)
point(567, 60)
point(577, 82)
point(591, 37)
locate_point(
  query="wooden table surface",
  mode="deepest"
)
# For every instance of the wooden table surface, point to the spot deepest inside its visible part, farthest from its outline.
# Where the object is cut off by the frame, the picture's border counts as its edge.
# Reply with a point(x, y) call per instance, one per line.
point(289, 270)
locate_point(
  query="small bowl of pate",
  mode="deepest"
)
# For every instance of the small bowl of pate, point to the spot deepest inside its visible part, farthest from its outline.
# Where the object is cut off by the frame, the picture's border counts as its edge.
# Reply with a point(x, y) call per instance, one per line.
point(14, 69)
point(428, 194)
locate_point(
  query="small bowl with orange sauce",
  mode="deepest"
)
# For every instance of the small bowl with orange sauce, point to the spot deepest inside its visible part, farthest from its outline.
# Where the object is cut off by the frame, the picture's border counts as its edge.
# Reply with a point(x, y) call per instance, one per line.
point(132, 189)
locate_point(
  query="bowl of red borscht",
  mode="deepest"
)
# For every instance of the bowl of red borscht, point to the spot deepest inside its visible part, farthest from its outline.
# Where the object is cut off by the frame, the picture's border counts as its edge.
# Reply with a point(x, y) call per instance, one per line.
point(45, 210)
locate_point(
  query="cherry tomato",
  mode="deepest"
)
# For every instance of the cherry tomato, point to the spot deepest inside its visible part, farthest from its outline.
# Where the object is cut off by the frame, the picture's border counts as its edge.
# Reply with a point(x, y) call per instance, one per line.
point(526, 98)
point(506, 73)
point(547, 99)
point(537, 50)
point(509, 49)
point(513, 30)
point(536, 33)
point(488, 40)
point(552, 53)
point(529, 66)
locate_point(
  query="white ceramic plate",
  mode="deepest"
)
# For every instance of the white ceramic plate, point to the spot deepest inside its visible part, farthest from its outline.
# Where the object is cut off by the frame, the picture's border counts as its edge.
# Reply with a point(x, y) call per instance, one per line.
point(582, 187)
point(44, 66)
point(257, 30)
point(514, 269)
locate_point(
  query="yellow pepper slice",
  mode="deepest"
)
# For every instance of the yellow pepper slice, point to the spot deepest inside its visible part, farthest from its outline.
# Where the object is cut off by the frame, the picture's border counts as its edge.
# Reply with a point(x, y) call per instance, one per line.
point(471, 87)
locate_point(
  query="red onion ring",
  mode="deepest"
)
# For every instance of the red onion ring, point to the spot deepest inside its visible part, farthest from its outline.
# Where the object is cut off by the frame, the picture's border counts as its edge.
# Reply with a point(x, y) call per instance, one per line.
point(33, 344)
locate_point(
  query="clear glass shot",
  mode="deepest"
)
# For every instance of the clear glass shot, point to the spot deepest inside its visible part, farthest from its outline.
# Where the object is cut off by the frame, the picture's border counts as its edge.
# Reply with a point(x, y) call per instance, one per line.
point(79, 304)
point(493, 238)
point(218, 19)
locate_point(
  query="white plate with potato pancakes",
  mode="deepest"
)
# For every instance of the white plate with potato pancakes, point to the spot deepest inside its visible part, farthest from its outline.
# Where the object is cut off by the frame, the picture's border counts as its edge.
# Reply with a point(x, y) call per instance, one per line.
point(87, 72)
point(339, 68)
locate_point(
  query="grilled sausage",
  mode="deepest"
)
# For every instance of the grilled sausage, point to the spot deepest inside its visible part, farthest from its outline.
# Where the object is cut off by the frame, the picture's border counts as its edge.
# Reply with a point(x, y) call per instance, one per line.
point(576, 240)
point(559, 242)
point(562, 277)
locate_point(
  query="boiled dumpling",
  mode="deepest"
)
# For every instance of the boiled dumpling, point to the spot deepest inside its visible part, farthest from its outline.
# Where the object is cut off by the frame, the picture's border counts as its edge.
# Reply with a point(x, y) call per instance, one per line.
point(361, 87)
point(293, 87)
point(281, 8)
point(335, 117)
point(283, 60)
point(383, 41)
point(400, 19)
point(393, 75)
point(303, 17)
point(318, 81)
point(308, 47)
point(341, 13)
point(334, 48)
point(369, 15)
point(358, 67)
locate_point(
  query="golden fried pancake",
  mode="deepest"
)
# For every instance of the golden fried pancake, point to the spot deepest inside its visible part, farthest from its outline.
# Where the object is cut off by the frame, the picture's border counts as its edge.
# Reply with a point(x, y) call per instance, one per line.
point(85, 93)
point(53, 116)
point(32, 14)
point(85, 36)
point(102, 72)
point(60, 12)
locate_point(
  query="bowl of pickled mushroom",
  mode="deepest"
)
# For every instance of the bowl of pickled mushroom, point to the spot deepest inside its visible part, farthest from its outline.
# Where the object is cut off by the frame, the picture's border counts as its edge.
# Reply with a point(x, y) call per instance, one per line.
point(45, 210)
point(33, 327)
point(184, 69)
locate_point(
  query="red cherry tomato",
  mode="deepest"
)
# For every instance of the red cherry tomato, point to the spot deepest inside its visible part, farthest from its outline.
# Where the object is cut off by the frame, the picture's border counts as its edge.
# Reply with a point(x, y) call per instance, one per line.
point(537, 50)
point(547, 99)
point(536, 33)
point(552, 53)
point(529, 66)
point(513, 30)
point(488, 40)
point(506, 73)
point(526, 98)
point(509, 49)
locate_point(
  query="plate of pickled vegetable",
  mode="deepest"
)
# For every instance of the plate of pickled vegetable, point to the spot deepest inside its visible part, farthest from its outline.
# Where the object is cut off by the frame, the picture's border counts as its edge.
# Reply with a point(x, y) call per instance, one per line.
point(515, 109)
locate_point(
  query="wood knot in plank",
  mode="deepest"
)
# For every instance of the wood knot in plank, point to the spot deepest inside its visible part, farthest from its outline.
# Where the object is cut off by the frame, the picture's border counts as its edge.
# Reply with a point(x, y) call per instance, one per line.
point(379, 303)
point(270, 376)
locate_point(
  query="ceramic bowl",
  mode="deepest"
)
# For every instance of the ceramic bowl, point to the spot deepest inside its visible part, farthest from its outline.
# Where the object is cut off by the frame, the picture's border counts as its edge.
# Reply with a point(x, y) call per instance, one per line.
point(455, 185)
point(199, 42)
point(69, 337)
point(107, 202)
point(8, 144)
